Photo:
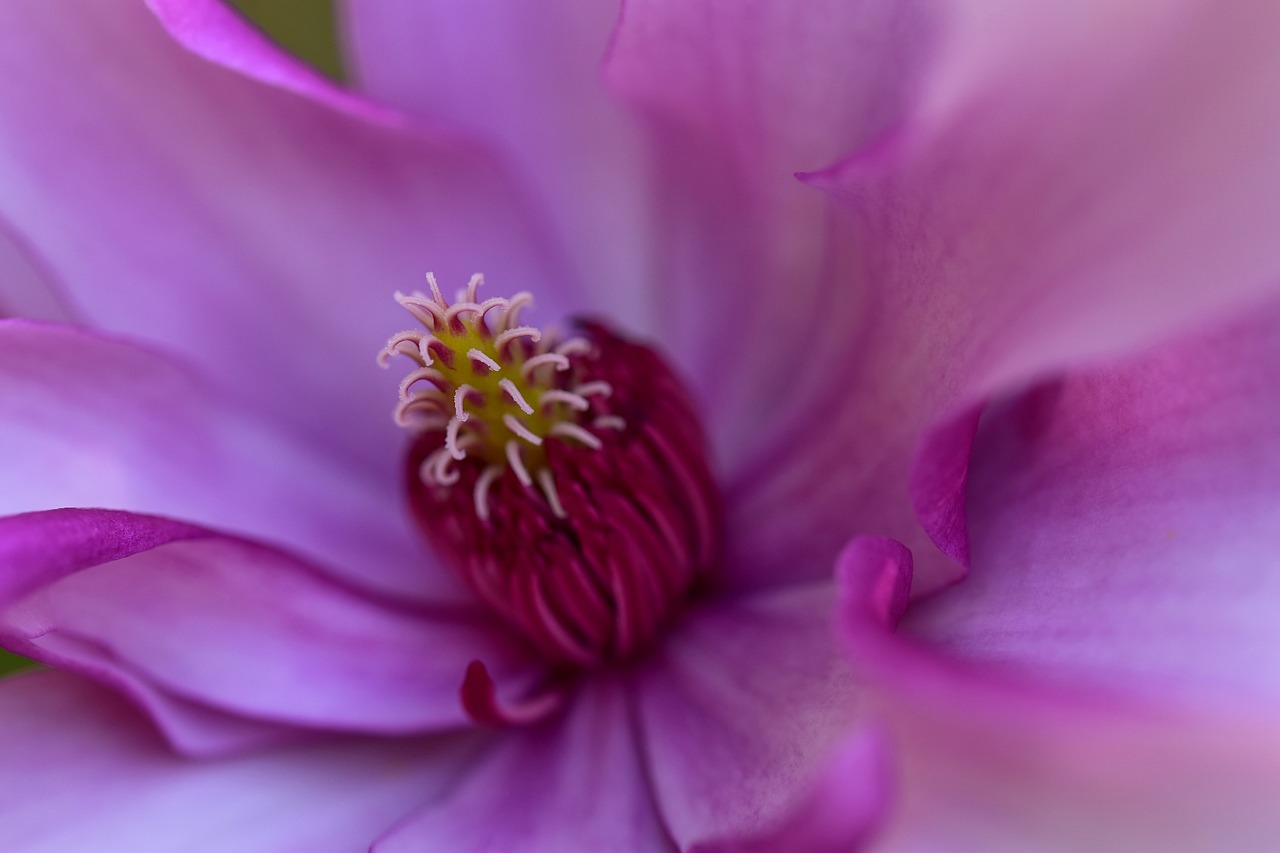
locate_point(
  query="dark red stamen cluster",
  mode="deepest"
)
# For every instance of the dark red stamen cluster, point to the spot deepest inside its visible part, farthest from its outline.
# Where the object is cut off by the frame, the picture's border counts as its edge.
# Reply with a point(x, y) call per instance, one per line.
point(640, 516)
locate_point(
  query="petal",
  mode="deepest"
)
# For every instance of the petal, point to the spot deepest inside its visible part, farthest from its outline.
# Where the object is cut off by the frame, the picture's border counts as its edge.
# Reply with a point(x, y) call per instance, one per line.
point(83, 771)
point(234, 625)
point(258, 230)
point(92, 421)
point(1125, 526)
point(989, 762)
point(524, 78)
point(741, 711)
point(739, 97)
point(575, 784)
point(27, 287)
point(1075, 183)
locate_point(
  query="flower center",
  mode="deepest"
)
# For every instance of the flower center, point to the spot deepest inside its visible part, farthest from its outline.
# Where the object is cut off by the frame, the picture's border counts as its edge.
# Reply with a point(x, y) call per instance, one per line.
point(565, 479)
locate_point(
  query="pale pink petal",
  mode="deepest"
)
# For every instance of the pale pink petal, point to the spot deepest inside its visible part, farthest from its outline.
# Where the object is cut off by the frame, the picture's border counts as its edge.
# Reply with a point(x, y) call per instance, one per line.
point(87, 420)
point(741, 709)
point(258, 229)
point(523, 77)
point(1125, 525)
point(578, 783)
point(739, 97)
point(83, 771)
point(1078, 181)
point(988, 762)
point(233, 625)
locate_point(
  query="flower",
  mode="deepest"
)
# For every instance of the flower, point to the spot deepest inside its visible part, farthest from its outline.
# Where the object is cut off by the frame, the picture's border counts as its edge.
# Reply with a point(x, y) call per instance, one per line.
point(1003, 221)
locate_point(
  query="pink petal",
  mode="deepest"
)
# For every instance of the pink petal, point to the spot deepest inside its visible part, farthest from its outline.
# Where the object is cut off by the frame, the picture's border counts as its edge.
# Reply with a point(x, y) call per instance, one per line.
point(92, 421)
point(524, 78)
point(988, 762)
point(258, 230)
point(1125, 522)
point(1076, 182)
point(576, 784)
point(83, 771)
point(741, 710)
point(739, 97)
point(27, 288)
point(233, 625)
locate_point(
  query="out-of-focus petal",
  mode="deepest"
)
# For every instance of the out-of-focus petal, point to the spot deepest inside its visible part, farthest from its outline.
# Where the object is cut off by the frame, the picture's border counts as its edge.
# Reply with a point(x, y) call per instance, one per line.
point(27, 287)
point(87, 420)
point(234, 625)
point(257, 229)
point(740, 710)
point(739, 97)
point(83, 771)
point(988, 762)
point(577, 783)
point(1125, 523)
point(523, 77)
point(1040, 208)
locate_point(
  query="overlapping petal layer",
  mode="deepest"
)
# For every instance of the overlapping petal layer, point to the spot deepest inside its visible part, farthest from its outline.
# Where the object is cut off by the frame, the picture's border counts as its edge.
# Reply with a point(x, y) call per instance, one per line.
point(83, 766)
point(158, 607)
point(1124, 525)
point(1039, 209)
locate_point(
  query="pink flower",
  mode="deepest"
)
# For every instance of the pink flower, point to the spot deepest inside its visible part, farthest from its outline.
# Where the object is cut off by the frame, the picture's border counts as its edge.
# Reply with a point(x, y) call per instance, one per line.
point(1065, 211)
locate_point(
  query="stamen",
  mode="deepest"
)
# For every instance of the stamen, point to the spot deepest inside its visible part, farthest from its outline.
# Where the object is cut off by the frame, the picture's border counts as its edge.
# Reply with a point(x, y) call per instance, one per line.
point(481, 493)
point(517, 464)
point(473, 285)
point(435, 291)
point(422, 374)
point(517, 303)
point(574, 346)
point(476, 355)
point(460, 397)
point(500, 342)
point(523, 431)
point(527, 369)
point(609, 422)
point(548, 484)
point(597, 388)
point(516, 397)
point(574, 431)
point(480, 700)
point(573, 401)
point(451, 440)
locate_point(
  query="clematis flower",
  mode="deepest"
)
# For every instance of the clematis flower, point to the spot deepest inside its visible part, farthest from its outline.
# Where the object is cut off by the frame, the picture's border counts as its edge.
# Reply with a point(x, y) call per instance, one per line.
point(1054, 217)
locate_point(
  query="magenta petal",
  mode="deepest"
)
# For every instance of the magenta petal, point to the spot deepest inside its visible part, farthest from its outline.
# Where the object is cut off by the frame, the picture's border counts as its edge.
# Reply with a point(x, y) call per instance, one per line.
point(1125, 523)
point(574, 784)
point(523, 77)
point(87, 420)
point(234, 625)
point(257, 230)
point(988, 762)
point(740, 710)
point(27, 286)
point(83, 771)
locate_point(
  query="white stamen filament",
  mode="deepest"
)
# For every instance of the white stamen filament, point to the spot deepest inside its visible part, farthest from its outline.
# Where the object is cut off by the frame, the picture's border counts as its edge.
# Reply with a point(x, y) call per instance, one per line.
point(510, 335)
point(422, 374)
point(598, 388)
point(435, 291)
point(573, 401)
point(477, 355)
point(609, 422)
point(571, 430)
point(517, 464)
point(521, 430)
point(574, 346)
point(451, 440)
point(520, 301)
point(481, 492)
point(516, 397)
point(459, 398)
point(548, 484)
point(527, 369)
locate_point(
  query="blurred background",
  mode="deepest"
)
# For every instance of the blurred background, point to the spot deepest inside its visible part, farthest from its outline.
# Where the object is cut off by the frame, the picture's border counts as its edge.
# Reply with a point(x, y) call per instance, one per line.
point(303, 27)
